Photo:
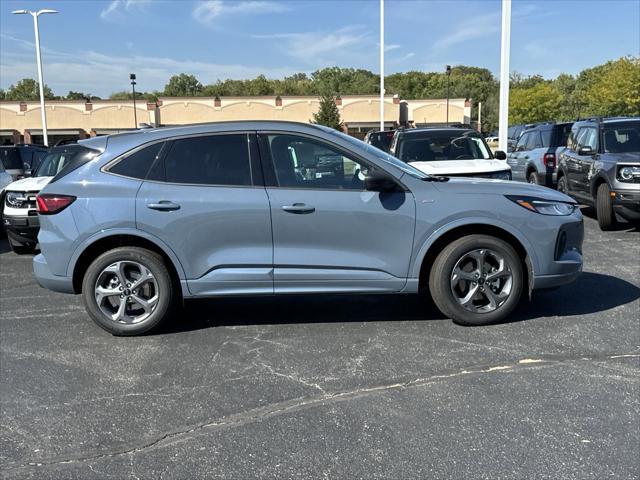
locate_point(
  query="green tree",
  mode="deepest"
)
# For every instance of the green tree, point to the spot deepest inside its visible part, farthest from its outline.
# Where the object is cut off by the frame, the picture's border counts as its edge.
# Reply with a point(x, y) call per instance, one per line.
point(538, 103)
point(616, 90)
point(328, 113)
point(183, 85)
point(77, 95)
point(27, 89)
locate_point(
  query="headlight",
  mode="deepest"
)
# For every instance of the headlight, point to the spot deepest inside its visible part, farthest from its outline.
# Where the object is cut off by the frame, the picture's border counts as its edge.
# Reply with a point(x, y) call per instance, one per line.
point(16, 199)
point(544, 207)
point(503, 175)
point(629, 173)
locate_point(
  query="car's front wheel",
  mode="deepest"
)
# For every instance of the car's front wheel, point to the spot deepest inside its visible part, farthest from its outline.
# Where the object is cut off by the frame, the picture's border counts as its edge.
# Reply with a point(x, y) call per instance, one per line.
point(477, 280)
point(604, 208)
point(562, 185)
point(128, 290)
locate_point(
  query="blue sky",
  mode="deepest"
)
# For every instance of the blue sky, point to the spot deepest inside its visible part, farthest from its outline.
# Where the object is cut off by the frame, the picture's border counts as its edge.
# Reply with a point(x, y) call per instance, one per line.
point(92, 46)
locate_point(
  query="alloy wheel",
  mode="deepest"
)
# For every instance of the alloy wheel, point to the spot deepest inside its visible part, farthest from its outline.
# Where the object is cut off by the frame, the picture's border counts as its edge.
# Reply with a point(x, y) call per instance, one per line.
point(481, 280)
point(126, 292)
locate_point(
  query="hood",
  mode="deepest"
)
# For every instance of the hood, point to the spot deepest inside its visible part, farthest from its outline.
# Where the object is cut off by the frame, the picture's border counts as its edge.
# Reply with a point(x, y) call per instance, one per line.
point(461, 167)
point(475, 186)
point(29, 184)
point(629, 157)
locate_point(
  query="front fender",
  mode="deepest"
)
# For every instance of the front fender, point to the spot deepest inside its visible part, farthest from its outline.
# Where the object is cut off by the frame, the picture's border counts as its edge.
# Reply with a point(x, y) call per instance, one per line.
point(112, 232)
point(426, 244)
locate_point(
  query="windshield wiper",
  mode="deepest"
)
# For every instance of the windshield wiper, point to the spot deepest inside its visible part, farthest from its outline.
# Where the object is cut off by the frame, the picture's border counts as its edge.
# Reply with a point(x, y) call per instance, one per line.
point(435, 178)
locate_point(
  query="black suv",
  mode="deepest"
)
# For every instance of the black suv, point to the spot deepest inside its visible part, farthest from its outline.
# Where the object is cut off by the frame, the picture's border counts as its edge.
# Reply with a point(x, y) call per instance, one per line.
point(601, 167)
point(21, 159)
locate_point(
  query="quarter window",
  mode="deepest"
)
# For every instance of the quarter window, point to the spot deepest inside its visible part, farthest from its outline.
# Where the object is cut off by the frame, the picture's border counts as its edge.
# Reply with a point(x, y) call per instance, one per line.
point(209, 160)
point(138, 163)
point(301, 162)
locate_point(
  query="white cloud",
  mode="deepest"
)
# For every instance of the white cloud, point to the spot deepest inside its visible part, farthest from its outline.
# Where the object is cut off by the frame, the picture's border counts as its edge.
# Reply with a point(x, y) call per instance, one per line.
point(208, 11)
point(320, 47)
point(117, 9)
point(102, 74)
point(470, 29)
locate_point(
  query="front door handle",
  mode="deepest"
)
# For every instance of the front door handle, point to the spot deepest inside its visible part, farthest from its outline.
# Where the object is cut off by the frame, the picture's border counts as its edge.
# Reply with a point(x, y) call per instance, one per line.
point(163, 206)
point(298, 208)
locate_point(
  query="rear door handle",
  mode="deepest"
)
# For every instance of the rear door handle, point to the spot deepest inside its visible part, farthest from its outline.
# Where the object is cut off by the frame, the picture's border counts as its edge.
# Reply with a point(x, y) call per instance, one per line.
point(163, 206)
point(298, 208)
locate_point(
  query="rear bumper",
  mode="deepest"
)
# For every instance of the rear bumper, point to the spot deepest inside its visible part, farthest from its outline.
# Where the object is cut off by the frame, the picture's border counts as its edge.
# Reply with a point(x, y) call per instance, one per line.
point(548, 178)
point(22, 230)
point(48, 280)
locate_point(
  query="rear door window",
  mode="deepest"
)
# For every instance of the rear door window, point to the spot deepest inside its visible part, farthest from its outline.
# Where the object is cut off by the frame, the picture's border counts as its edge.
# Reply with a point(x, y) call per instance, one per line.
point(138, 163)
point(210, 160)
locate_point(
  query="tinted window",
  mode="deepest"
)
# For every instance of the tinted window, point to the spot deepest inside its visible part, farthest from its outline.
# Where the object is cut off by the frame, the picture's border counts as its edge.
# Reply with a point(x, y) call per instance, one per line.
point(63, 160)
point(75, 157)
point(588, 137)
point(522, 143)
point(138, 163)
point(622, 137)
point(11, 158)
point(546, 137)
point(302, 162)
point(533, 141)
point(210, 160)
point(438, 145)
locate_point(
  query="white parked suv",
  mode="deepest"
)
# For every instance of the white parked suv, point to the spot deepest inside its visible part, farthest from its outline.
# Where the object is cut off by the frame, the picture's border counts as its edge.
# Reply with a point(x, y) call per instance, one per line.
point(19, 215)
point(451, 152)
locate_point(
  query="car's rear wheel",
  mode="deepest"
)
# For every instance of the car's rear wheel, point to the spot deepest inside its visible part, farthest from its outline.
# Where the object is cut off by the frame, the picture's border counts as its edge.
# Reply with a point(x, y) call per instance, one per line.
point(532, 178)
point(128, 290)
point(477, 280)
point(604, 208)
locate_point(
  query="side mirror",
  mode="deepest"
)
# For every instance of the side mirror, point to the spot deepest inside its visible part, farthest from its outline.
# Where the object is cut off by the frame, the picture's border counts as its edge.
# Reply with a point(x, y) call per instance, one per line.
point(380, 182)
point(586, 150)
point(500, 155)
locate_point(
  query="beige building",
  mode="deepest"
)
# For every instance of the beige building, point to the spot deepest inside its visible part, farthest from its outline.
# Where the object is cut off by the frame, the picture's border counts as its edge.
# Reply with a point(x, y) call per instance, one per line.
point(20, 121)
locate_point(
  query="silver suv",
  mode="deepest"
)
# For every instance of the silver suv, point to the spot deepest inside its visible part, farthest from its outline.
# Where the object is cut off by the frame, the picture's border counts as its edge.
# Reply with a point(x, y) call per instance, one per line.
point(140, 221)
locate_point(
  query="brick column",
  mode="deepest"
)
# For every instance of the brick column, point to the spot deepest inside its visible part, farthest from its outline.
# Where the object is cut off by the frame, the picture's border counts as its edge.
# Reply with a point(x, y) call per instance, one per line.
point(27, 136)
point(82, 134)
point(16, 137)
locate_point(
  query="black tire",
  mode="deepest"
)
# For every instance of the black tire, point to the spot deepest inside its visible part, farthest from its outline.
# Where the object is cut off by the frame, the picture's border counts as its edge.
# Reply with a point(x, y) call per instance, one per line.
point(562, 185)
point(604, 208)
point(532, 178)
point(441, 272)
point(167, 290)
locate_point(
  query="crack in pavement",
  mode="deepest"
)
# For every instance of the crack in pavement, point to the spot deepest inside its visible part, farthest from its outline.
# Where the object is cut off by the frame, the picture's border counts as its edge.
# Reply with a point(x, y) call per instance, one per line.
point(287, 406)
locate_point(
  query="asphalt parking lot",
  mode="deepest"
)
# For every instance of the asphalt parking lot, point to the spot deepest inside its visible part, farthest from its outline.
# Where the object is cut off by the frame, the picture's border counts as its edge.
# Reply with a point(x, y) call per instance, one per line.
point(328, 387)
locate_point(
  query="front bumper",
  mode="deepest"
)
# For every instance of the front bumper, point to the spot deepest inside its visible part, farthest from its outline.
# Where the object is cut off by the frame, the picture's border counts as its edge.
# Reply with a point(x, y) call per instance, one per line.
point(22, 230)
point(564, 265)
point(48, 280)
point(626, 203)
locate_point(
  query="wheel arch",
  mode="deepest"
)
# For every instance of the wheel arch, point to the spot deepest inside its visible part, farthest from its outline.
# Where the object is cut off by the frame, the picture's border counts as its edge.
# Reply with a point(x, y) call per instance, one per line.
point(595, 184)
point(94, 247)
point(438, 242)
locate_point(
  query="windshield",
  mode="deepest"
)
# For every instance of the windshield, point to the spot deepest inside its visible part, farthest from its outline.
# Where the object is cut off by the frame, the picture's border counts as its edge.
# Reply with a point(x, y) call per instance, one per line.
point(621, 137)
point(56, 161)
point(438, 146)
point(379, 154)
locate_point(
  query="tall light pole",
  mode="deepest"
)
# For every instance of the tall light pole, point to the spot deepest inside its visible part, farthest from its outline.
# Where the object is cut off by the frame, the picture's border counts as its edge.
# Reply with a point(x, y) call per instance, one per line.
point(448, 84)
point(132, 77)
point(35, 16)
point(381, 65)
point(503, 124)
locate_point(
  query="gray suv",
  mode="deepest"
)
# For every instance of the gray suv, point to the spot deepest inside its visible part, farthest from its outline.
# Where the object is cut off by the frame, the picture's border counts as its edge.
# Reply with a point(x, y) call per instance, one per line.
point(535, 157)
point(601, 167)
point(145, 219)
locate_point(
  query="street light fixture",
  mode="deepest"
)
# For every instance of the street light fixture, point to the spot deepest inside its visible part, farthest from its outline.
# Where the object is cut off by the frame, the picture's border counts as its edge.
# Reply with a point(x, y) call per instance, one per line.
point(132, 77)
point(448, 83)
point(35, 16)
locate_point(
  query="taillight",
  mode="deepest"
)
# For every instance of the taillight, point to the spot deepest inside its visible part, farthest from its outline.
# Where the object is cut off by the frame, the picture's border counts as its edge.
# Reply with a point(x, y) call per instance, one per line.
point(549, 160)
point(50, 203)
